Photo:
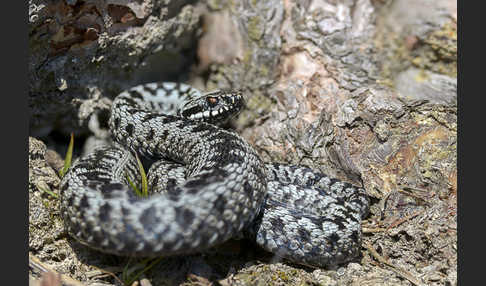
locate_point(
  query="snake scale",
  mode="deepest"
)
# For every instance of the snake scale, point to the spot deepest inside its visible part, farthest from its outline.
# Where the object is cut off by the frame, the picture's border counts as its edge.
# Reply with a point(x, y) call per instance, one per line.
point(209, 186)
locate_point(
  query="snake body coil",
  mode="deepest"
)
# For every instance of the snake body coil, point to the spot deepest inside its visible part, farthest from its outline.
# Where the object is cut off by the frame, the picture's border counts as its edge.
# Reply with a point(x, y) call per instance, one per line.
point(211, 186)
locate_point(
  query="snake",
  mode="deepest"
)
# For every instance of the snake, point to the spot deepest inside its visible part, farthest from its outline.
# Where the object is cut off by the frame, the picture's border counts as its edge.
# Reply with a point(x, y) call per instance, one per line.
point(207, 185)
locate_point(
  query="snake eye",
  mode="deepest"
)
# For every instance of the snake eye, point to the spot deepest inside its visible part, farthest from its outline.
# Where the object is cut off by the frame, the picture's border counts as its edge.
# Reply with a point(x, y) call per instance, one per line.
point(212, 100)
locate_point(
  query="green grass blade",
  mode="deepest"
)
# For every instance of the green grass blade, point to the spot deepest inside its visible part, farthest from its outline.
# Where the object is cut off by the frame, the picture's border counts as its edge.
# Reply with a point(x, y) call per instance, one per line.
point(144, 190)
point(147, 268)
point(48, 191)
point(69, 156)
point(134, 187)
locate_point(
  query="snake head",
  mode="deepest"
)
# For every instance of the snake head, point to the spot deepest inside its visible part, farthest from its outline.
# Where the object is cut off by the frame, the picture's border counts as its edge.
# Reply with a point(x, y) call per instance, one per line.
point(214, 107)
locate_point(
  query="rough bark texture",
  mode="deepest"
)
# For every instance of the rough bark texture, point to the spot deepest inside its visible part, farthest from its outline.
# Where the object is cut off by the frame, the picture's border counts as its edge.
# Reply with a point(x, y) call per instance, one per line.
point(362, 90)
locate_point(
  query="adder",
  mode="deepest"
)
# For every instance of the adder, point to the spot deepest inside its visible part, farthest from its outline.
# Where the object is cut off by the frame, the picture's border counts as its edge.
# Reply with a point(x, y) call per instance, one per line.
point(208, 186)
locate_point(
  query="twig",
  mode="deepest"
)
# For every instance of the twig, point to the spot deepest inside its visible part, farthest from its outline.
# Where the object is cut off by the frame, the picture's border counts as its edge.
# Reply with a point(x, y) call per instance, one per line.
point(404, 191)
point(372, 230)
point(108, 272)
point(402, 272)
point(400, 221)
point(35, 263)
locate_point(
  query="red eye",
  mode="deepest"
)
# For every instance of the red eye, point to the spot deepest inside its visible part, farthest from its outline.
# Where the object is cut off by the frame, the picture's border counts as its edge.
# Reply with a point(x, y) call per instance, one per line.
point(212, 100)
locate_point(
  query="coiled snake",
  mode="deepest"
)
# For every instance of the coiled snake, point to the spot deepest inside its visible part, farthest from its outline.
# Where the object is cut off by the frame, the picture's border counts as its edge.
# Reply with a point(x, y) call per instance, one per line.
point(210, 187)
